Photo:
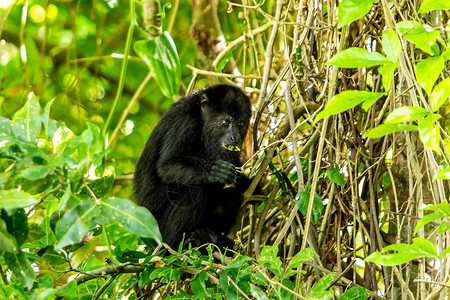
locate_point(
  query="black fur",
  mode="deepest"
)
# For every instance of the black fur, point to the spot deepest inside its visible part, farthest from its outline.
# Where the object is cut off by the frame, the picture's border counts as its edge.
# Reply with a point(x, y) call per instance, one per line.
point(183, 173)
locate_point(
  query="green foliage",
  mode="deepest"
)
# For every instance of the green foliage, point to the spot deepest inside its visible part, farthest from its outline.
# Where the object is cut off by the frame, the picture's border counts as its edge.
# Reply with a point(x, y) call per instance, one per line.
point(422, 36)
point(54, 188)
point(352, 10)
point(397, 254)
point(403, 253)
point(161, 56)
point(346, 100)
point(357, 58)
point(302, 200)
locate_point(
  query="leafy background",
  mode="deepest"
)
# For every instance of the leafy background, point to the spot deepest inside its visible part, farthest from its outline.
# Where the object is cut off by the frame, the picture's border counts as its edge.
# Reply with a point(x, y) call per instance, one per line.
point(349, 145)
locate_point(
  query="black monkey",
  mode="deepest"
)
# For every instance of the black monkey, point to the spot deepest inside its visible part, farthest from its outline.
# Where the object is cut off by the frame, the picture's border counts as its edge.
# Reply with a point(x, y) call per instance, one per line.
point(184, 173)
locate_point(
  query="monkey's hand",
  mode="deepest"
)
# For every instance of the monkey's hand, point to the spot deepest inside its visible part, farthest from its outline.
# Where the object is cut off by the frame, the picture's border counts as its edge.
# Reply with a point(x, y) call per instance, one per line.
point(222, 172)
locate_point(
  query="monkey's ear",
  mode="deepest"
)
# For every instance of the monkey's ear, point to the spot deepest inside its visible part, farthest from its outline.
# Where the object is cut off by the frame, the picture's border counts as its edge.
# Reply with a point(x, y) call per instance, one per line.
point(204, 100)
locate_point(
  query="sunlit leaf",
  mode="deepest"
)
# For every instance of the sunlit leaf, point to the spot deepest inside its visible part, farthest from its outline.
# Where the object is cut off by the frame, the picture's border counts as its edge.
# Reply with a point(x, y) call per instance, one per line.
point(427, 72)
point(403, 253)
point(133, 218)
point(428, 5)
point(344, 101)
point(352, 10)
point(417, 34)
point(406, 114)
point(443, 208)
point(429, 132)
point(15, 199)
point(27, 121)
point(387, 73)
point(427, 219)
point(440, 94)
point(391, 45)
point(161, 56)
point(385, 129)
point(354, 57)
point(443, 173)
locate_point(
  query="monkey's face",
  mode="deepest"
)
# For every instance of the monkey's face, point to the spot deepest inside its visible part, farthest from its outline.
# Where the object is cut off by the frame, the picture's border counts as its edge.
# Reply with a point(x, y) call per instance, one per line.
point(225, 132)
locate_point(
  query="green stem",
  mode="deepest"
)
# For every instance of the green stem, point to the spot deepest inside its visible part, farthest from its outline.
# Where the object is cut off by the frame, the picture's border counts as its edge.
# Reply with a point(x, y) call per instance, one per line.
point(122, 72)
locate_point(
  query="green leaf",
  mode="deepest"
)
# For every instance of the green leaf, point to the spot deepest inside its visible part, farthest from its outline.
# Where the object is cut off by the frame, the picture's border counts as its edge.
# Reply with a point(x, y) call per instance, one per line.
point(344, 101)
point(161, 56)
point(385, 129)
point(427, 72)
point(334, 176)
point(443, 227)
point(50, 126)
point(387, 73)
point(20, 266)
point(403, 253)
point(427, 219)
point(53, 257)
point(443, 173)
point(440, 94)
point(445, 252)
point(27, 120)
point(74, 225)
point(257, 293)
point(35, 172)
point(302, 201)
point(269, 258)
point(224, 62)
point(319, 290)
point(355, 293)
point(133, 218)
point(417, 34)
point(11, 199)
point(8, 242)
point(33, 61)
point(391, 45)
point(352, 10)
point(428, 5)
point(303, 256)
point(100, 187)
point(354, 57)
point(17, 225)
point(429, 133)
point(5, 126)
point(406, 114)
point(442, 208)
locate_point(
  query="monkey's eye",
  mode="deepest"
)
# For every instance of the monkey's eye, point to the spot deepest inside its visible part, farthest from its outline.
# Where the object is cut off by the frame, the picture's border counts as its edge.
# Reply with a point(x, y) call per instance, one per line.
point(241, 124)
point(226, 123)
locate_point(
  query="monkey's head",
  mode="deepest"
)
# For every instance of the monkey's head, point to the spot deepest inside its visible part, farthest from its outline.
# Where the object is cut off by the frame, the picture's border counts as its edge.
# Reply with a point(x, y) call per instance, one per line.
point(226, 113)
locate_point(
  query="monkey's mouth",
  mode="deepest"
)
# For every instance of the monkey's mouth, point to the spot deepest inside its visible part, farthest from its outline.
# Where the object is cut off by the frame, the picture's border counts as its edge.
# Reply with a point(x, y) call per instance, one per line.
point(232, 148)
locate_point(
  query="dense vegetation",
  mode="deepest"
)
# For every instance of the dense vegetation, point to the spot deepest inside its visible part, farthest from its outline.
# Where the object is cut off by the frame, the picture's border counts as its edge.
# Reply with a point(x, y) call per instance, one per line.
point(349, 145)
